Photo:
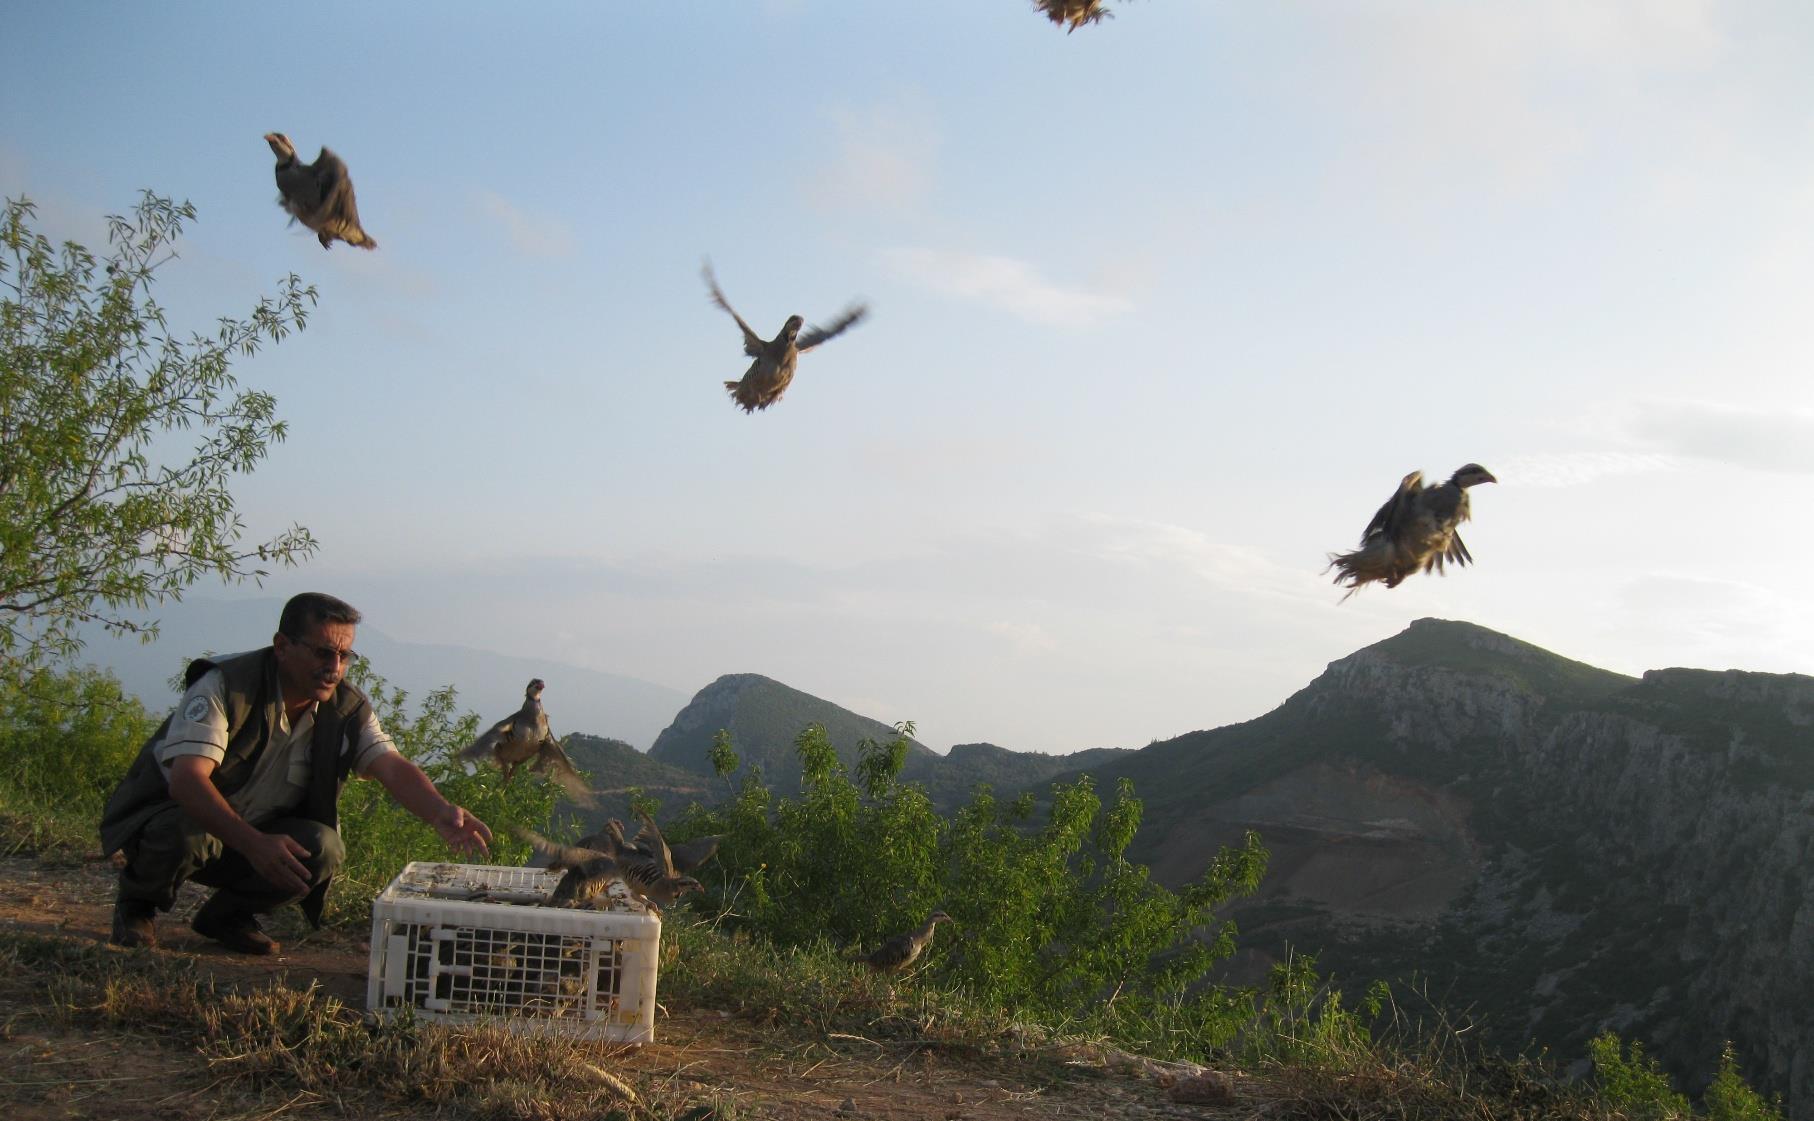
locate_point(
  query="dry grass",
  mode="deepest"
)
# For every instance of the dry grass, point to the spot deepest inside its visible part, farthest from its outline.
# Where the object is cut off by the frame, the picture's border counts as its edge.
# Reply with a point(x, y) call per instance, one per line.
point(280, 1051)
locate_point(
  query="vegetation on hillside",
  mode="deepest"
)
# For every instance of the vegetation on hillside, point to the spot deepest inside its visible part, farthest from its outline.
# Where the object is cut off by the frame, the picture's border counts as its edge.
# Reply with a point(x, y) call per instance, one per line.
point(66, 739)
point(1058, 934)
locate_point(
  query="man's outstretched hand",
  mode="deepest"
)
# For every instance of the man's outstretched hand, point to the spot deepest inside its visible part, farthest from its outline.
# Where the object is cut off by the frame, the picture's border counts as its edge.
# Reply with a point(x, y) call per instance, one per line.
point(462, 831)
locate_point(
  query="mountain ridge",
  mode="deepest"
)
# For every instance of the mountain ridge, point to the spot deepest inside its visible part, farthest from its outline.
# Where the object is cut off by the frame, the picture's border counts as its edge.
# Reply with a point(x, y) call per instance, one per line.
point(1564, 848)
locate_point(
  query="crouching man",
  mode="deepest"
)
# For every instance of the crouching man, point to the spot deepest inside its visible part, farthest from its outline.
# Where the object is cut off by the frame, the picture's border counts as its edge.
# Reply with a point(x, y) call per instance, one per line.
point(238, 788)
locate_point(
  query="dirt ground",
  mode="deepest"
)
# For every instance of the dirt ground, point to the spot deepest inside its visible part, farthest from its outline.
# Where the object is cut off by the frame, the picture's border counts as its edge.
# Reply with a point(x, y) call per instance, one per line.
point(767, 1071)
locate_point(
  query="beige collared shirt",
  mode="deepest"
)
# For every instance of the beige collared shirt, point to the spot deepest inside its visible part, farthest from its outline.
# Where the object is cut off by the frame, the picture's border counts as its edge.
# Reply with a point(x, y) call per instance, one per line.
point(280, 777)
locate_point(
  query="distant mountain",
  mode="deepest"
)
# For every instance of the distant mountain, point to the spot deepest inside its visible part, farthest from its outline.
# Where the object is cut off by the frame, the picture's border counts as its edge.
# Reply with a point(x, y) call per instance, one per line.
point(492, 684)
point(1559, 848)
point(764, 718)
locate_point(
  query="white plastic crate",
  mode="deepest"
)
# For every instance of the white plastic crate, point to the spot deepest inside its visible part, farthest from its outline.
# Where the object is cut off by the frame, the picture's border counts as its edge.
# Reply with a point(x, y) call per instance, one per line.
point(444, 950)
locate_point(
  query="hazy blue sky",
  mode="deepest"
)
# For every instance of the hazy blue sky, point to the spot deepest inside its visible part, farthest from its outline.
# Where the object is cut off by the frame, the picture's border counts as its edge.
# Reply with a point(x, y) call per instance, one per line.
point(1162, 310)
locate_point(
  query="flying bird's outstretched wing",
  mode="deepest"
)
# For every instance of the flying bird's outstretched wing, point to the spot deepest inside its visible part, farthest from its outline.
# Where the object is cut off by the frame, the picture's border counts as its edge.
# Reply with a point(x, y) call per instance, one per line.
point(812, 338)
point(488, 740)
point(752, 342)
point(553, 762)
point(660, 844)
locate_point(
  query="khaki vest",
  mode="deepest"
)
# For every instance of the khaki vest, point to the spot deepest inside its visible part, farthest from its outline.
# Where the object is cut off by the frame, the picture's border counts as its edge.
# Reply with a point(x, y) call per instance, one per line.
point(254, 704)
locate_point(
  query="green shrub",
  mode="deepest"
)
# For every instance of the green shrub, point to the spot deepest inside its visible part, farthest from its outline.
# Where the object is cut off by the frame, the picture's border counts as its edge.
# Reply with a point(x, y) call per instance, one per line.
point(1051, 921)
point(1635, 1084)
point(66, 739)
point(1730, 1098)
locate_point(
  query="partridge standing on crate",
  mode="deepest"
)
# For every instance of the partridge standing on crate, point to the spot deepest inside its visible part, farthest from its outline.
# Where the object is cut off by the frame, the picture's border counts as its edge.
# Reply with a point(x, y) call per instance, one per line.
point(524, 735)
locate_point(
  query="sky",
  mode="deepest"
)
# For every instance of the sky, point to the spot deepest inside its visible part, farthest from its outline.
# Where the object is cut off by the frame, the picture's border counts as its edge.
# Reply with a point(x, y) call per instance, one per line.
point(1161, 312)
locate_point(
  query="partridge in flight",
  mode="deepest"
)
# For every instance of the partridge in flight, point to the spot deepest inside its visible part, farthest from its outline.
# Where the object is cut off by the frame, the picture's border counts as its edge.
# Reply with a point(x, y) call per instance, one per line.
point(524, 736)
point(1414, 531)
point(1074, 12)
point(774, 360)
point(319, 194)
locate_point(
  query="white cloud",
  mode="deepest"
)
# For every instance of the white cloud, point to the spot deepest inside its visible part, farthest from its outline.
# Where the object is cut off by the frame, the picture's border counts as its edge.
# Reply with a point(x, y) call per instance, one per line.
point(1007, 283)
point(1773, 440)
point(886, 156)
point(532, 234)
point(1571, 469)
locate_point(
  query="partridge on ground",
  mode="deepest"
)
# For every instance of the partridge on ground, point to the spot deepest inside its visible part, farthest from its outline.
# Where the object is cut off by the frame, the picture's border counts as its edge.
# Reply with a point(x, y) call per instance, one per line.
point(902, 950)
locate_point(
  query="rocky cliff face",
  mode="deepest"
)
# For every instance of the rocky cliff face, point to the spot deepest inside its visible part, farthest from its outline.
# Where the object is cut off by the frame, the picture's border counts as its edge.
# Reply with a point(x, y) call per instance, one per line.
point(1560, 848)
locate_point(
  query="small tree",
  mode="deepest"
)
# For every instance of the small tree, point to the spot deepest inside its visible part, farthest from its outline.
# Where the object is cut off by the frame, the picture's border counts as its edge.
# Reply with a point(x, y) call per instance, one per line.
point(104, 509)
point(724, 758)
point(1730, 1098)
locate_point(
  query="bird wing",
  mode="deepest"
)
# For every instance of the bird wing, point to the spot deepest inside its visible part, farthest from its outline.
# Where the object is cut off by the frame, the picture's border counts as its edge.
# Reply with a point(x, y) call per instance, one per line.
point(300, 189)
point(336, 187)
point(560, 857)
point(893, 953)
point(689, 855)
point(551, 760)
point(601, 841)
point(1392, 515)
point(488, 741)
point(851, 317)
point(752, 342)
point(660, 845)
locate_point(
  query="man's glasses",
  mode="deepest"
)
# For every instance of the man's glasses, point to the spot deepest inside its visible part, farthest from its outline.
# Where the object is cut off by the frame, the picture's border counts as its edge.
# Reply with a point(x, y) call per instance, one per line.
point(328, 655)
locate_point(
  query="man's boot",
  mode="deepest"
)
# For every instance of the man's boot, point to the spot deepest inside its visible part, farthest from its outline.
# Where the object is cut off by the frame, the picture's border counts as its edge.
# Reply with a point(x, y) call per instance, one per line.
point(132, 923)
point(228, 921)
